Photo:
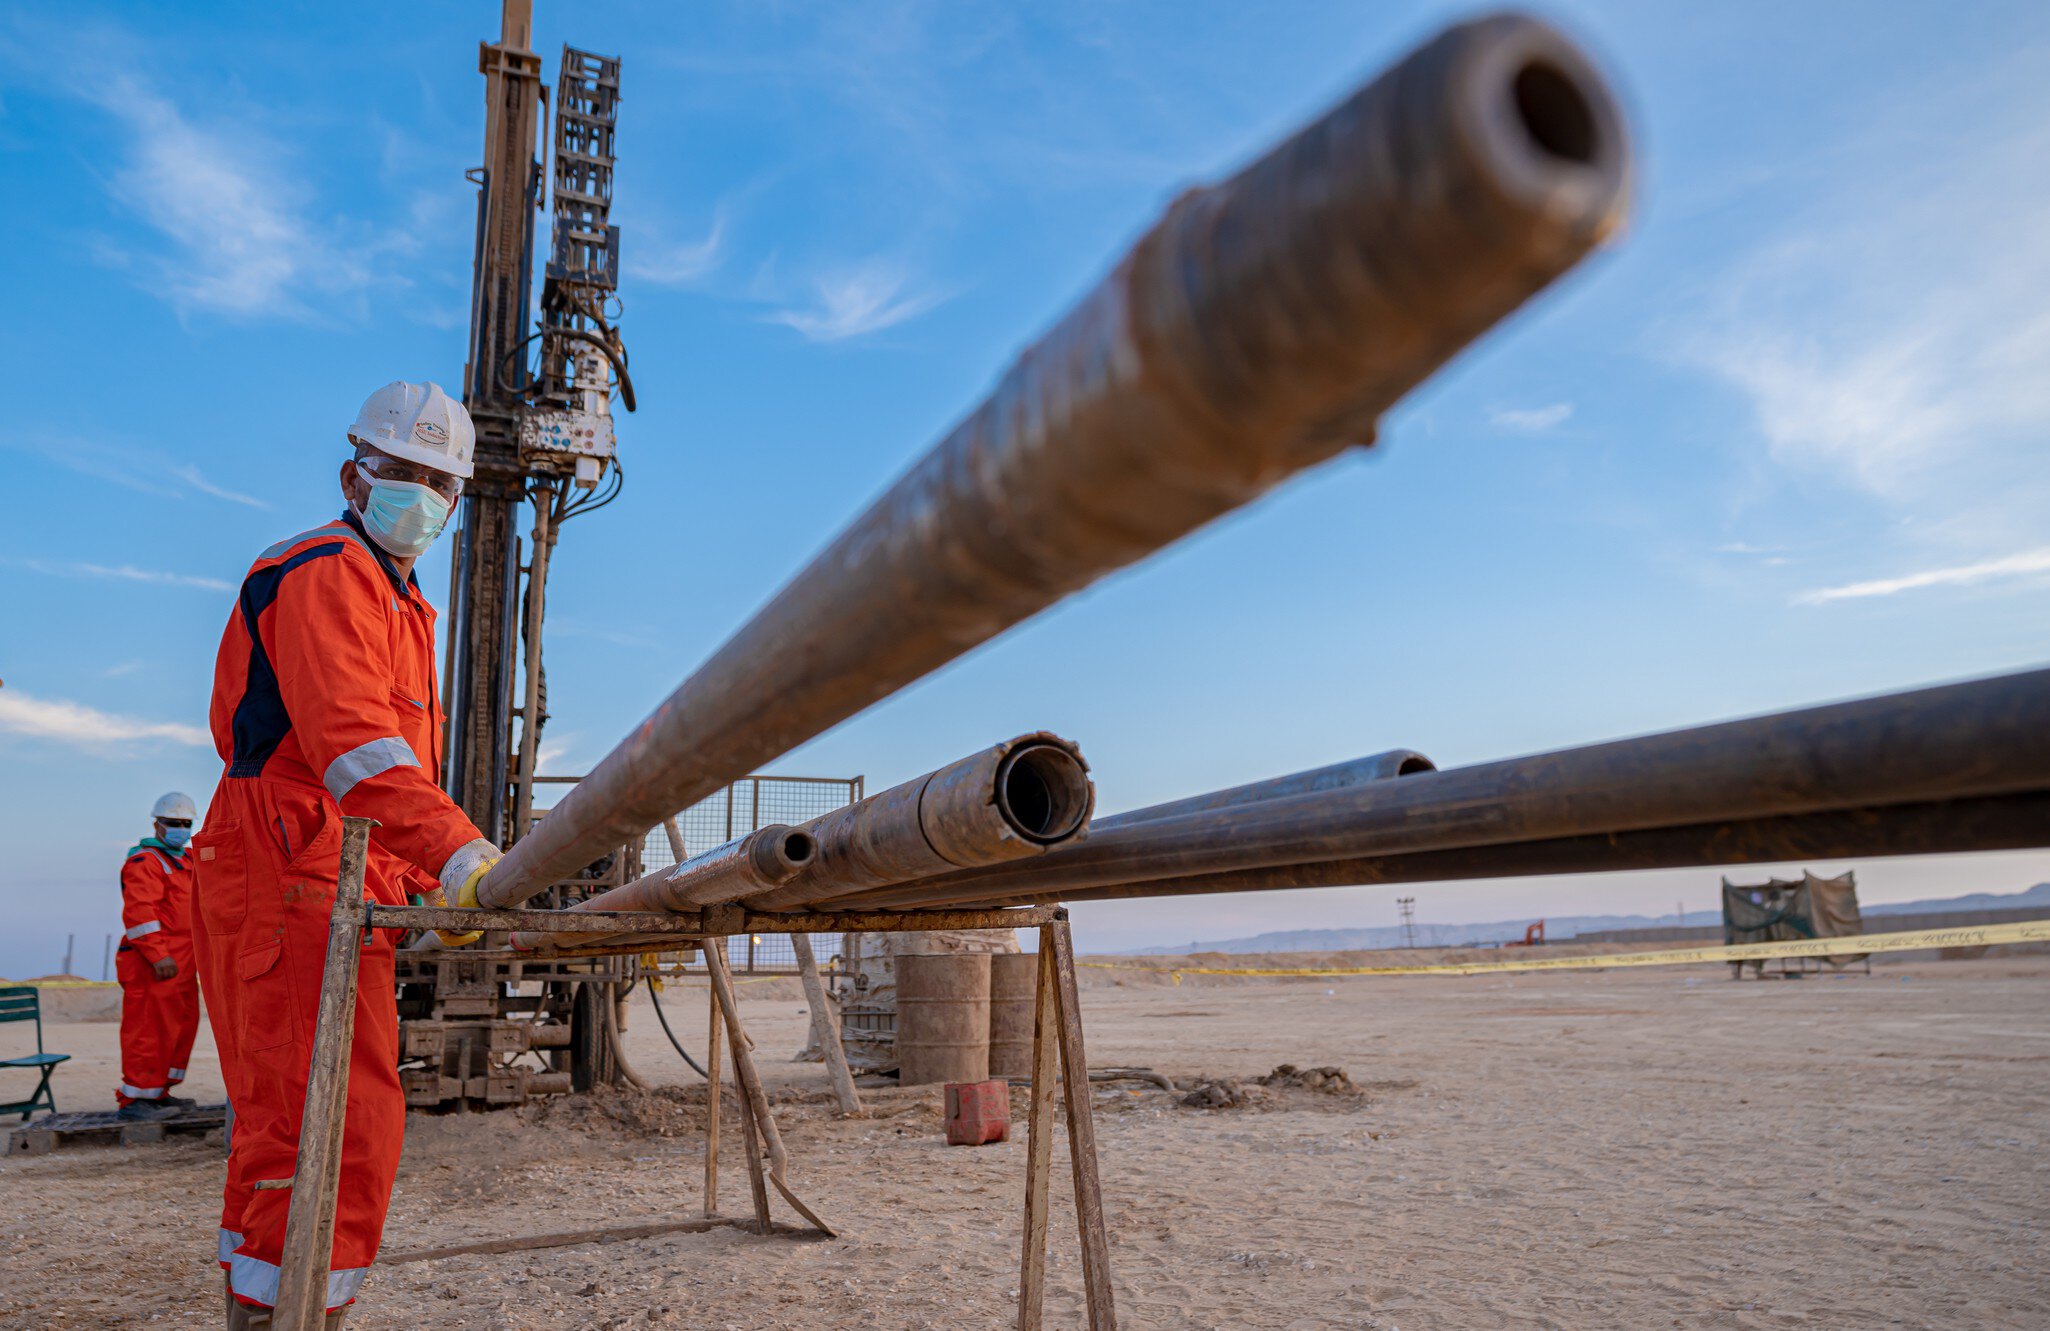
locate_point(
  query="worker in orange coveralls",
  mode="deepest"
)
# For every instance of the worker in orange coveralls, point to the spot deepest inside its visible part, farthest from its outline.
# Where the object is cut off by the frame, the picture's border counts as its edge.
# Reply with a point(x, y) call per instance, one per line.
point(159, 984)
point(325, 704)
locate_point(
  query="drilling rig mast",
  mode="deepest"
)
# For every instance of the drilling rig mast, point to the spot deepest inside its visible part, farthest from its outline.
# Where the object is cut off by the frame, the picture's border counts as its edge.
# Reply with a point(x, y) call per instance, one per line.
point(540, 393)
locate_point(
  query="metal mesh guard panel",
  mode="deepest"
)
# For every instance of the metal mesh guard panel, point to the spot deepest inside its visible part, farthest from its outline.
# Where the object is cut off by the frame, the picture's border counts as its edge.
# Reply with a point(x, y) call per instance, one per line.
point(747, 804)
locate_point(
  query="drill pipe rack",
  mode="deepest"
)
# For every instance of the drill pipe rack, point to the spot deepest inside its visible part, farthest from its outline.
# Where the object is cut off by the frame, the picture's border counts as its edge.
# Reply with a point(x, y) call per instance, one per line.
point(1947, 745)
point(1057, 1054)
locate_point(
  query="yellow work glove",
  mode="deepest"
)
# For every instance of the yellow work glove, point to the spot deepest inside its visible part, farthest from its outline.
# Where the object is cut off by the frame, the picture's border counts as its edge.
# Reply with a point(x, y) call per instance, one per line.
point(459, 879)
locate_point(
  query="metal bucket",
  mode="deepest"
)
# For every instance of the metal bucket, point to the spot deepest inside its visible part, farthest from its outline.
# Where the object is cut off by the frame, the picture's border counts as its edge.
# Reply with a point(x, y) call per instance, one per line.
point(1013, 984)
point(942, 1018)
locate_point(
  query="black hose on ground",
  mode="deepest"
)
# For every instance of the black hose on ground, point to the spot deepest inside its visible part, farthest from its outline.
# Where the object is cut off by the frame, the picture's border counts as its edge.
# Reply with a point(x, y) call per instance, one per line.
point(660, 1016)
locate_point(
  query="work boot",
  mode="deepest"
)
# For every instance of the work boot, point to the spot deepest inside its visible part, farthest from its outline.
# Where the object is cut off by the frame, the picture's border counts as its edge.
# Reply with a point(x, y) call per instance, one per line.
point(143, 1111)
point(245, 1317)
point(178, 1102)
point(242, 1317)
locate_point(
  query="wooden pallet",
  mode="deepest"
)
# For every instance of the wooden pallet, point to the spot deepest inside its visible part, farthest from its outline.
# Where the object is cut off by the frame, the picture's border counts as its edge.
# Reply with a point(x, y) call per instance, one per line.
point(40, 1136)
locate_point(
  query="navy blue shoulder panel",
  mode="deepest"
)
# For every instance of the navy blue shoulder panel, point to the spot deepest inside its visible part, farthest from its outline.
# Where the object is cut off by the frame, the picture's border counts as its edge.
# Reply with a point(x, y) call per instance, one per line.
point(261, 723)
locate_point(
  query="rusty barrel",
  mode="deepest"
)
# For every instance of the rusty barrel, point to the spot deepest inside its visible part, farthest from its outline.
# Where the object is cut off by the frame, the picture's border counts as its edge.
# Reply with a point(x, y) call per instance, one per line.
point(942, 1018)
point(1013, 984)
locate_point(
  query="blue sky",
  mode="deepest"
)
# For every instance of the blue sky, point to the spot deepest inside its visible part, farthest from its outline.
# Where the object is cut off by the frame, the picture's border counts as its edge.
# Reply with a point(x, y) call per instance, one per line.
point(1782, 445)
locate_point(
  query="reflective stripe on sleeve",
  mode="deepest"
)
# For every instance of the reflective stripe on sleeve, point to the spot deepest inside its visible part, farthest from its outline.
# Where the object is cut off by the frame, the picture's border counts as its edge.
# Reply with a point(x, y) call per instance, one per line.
point(365, 761)
point(143, 930)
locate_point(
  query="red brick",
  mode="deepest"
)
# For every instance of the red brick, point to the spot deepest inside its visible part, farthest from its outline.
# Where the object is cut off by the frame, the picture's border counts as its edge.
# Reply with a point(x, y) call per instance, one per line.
point(978, 1112)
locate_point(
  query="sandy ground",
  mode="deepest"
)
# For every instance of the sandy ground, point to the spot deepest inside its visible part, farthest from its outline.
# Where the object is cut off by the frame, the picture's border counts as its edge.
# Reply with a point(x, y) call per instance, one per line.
point(1656, 1148)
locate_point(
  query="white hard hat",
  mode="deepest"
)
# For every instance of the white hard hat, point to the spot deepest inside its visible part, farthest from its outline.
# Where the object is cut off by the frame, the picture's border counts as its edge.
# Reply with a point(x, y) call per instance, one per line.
point(420, 423)
point(177, 804)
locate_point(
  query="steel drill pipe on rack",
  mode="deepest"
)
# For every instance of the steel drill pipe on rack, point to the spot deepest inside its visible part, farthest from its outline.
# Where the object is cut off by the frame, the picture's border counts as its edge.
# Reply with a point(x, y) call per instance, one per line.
point(1336, 776)
point(1261, 326)
point(1015, 799)
point(1997, 822)
point(751, 863)
point(1987, 737)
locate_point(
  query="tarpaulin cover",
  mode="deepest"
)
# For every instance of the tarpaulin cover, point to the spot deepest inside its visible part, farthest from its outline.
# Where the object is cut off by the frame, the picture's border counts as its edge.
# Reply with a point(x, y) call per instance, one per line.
point(1783, 908)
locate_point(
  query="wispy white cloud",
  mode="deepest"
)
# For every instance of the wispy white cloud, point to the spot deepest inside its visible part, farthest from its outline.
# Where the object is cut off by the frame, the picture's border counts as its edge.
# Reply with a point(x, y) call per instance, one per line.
point(1531, 420)
point(193, 477)
point(229, 221)
point(124, 573)
point(142, 470)
point(86, 727)
point(238, 243)
point(121, 668)
point(550, 752)
point(677, 263)
point(1893, 339)
point(2025, 564)
point(856, 301)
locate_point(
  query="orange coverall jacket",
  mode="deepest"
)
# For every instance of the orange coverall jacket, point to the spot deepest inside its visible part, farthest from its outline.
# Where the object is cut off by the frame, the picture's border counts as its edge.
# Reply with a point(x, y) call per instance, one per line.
point(324, 703)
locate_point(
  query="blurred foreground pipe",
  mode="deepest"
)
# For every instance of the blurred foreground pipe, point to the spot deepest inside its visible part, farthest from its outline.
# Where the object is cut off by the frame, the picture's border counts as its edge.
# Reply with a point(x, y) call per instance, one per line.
point(1010, 801)
point(1957, 741)
point(1262, 326)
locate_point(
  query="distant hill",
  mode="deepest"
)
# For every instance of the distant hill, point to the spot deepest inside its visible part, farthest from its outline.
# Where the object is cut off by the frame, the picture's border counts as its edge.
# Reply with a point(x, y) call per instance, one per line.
point(1557, 927)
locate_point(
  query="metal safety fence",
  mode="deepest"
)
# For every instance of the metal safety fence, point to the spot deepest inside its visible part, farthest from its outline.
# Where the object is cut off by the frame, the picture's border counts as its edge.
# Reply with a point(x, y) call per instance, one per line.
point(752, 802)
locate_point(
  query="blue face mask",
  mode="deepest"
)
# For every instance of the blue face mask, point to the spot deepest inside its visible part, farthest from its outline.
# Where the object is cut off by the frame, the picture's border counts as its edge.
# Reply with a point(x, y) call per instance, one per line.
point(176, 837)
point(402, 517)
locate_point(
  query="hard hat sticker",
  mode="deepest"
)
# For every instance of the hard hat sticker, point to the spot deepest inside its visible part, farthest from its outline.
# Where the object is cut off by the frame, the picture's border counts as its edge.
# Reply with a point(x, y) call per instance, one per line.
point(429, 433)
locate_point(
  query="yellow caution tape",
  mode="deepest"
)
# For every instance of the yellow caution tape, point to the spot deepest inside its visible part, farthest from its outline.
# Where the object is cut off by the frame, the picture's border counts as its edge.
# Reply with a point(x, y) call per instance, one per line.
point(2025, 931)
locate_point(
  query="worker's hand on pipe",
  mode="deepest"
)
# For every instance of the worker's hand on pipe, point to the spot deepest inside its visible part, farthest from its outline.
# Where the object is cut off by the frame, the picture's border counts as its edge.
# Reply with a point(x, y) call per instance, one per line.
point(459, 878)
point(164, 967)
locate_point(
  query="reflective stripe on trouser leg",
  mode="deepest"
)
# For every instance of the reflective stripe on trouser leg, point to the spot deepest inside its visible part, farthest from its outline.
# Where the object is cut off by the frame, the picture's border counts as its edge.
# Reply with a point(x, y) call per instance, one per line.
point(256, 1281)
point(225, 1243)
point(141, 1092)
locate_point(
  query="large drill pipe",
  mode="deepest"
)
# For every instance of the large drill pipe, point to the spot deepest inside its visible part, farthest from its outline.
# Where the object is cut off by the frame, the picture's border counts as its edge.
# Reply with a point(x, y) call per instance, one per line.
point(1336, 776)
point(1996, 822)
point(1957, 741)
point(1013, 800)
point(1262, 325)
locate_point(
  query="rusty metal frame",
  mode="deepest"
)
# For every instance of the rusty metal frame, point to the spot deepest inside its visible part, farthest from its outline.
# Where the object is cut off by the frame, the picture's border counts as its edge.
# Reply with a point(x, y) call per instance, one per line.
point(1057, 1031)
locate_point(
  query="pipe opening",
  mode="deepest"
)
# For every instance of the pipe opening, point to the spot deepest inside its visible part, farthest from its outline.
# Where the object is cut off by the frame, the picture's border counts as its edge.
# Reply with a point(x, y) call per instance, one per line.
point(1414, 763)
point(1043, 791)
point(1555, 113)
point(799, 847)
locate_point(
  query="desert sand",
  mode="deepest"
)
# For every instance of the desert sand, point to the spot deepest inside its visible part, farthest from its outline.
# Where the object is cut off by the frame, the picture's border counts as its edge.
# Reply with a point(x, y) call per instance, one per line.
point(1655, 1148)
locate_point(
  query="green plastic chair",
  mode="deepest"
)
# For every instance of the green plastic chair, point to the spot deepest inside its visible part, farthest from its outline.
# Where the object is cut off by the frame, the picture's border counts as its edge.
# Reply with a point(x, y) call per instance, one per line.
point(23, 1003)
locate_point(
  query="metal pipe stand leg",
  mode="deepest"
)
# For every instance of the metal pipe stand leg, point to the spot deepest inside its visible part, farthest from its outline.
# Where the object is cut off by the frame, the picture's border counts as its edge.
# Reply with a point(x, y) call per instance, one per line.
point(1039, 1143)
point(1081, 1133)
